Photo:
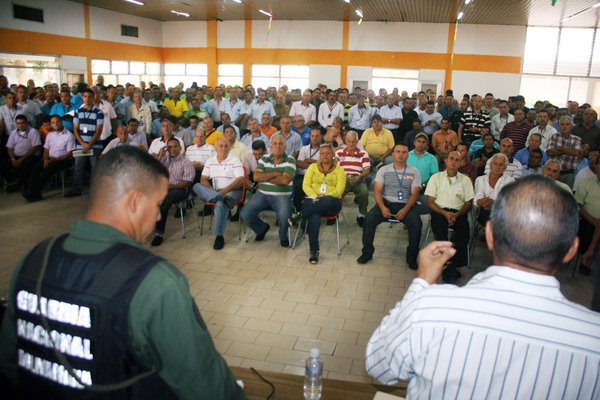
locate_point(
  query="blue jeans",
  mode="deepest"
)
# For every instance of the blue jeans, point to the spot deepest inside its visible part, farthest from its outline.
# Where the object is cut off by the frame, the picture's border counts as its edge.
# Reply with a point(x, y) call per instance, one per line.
point(221, 210)
point(312, 212)
point(174, 196)
point(80, 163)
point(422, 208)
point(282, 205)
point(376, 160)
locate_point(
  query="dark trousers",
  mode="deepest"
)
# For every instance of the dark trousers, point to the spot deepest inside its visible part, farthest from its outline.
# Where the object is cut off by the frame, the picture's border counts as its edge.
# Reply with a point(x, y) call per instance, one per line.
point(174, 196)
point(586, 233)
point(398, 138)
point(24, 174)
point(312, 212)
point(40, 174)
point(439, 227)
point(298, 194)
point(483, 216)
point(411, 220)
point(358, 131)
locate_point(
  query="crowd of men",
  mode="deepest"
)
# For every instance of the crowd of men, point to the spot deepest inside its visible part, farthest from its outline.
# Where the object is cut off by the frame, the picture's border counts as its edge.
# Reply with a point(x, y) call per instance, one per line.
point(532, 177)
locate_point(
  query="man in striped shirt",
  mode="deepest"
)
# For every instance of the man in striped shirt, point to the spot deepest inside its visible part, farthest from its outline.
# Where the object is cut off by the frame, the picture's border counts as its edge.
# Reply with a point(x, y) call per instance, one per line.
point(517, 131)
point(274, 173)
point(472, 122)
point(509, 333)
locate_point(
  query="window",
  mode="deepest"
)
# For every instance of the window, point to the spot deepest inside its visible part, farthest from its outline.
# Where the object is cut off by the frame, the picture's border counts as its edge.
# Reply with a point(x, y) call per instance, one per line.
point(28, 13)
point(574, 51)
point(541, 45)
point(117, 72)
point(19, 68)
point(388, 79)
point(294, 76)
point(128, 30)
point(544, 87)
point(595, 70)
point(231, 74)
point(186, 73)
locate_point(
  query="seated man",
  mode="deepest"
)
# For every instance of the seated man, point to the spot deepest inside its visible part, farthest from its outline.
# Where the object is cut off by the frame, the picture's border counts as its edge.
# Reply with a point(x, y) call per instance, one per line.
point(466, 166)
point(478, 144)
point(308, 155)
point(378, 142)
point(588, 198)
point(122, 139)
point(210, 132)
point(534, 163)
point(489, 185)
point(450, 198)
point(427, 165)
point(181, 175)
point(158, 144)
point(484, 153)
point(274, 173)
point(509, 332)
point(58, 155)
point(444, 140)
point(137, 136)
point(514, 167)
point(182, 133)
point(396, 191)
point(236, 148)
point(258, 151)
point(265, 127)
point(357, 165)
point(409, 139)
point(254, 134)
point(23, 147)
point(199, 152)
point(293, 142)
point(226, 120)
point(535, 140)
point(587, 171)
point(301, 129)
point(552, 170)
point(227, 175)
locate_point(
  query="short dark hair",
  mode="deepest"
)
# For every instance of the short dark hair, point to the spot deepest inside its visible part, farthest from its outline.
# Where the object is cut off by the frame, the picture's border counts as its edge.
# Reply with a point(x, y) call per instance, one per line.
point(87, 90)
point(486, 135)
point(173, 120)
point(534, 223)
point(536, 151)
point(377, 117)
point(21, 117)
point(128, 166)
point(193, 117)
point(259, 145)
point(133, 120)
point(228, 126)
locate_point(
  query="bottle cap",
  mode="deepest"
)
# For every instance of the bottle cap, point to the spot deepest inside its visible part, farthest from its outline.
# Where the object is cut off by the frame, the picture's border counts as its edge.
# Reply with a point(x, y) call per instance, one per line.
point(314, 353)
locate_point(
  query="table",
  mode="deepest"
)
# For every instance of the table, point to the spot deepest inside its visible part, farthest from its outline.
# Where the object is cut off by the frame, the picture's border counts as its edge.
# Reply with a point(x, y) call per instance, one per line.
point(288, 386)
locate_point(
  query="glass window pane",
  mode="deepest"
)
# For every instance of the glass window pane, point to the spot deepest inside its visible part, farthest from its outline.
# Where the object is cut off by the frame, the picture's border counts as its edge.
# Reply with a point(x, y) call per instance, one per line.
point(395, 73)
point(22, 75)
point(294, 71)
point(231, 69)
point(540, 50)
point(133, 79)
point(29, 60)
point(100, 66)
point(579, 89)
point(555, 89)
point(108, 79)
point(119, 67)
point(410, 85)
point(153, 68)
point(231, 80)
point(574, 51)
point(265, 70)
point(197, 69)
point(137, 68)
point(295, 83)
point(155, 79)
point(174, 69)
point(595, 71)
point(263, 83)
point(171, 81)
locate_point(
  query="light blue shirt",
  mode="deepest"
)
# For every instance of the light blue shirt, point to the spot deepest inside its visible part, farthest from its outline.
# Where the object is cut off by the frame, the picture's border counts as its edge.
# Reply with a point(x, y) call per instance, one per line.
point(427, 164)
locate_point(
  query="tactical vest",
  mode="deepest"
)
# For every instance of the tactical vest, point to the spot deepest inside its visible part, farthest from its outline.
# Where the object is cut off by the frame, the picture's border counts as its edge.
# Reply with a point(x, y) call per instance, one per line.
point(85, 299)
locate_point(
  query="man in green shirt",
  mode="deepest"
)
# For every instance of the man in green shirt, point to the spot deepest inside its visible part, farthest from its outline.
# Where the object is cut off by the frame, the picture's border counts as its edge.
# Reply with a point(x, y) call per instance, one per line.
point(163, 333)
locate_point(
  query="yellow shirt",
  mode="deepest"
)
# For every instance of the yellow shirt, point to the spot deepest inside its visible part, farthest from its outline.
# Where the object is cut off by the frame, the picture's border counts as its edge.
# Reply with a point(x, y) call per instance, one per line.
point(377, 145)
point(178, 109)
point(450, 193)
point(335, 182)
point(211, 137)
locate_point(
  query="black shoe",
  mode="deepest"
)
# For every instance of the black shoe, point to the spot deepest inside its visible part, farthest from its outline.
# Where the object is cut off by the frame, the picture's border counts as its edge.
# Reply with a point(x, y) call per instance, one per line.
point(585, 270)
point(363, 259)
point(207, 210)
point(331, 222)
point(72, 193)
point(285, 243)
point(33, 198)
point(157, 241)
point(360, 221)
point(178, 213)
point(219, 243)
point(261, 237)
point(235, 217)
point(451, 275)
point(228, 201)
point(412, 264)
point(314, 257)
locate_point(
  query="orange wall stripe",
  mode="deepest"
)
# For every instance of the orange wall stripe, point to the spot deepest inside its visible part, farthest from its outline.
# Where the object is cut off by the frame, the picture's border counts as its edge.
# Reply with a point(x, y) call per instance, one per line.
point(344, 64)
point(86, 23)
point(247, 45)
point(211, 41)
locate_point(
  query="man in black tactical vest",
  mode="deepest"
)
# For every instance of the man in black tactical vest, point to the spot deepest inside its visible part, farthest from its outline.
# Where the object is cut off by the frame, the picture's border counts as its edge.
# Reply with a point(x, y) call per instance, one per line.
point(93, 315)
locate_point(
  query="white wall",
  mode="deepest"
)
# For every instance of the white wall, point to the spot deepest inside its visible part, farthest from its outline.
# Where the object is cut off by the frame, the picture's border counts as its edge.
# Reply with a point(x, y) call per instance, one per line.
point(356, 73)
point(500, 84)
point(184, 34)
point(433, 76)
point(398, 37)
point(326, 35)
point(230, 34)
point(497, 40)
point(61, 17)
point(73, 63)
point(106, 25)
point(327, 74)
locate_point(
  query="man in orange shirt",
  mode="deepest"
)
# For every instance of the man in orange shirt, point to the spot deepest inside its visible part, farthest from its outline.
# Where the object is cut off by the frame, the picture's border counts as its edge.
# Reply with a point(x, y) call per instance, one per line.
point(266, 128)
point(444, 140)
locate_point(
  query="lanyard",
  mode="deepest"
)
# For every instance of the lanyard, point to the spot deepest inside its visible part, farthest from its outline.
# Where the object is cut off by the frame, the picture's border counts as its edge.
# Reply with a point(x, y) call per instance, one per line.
point(311, 155)
point(400, 181)
point(361, 113)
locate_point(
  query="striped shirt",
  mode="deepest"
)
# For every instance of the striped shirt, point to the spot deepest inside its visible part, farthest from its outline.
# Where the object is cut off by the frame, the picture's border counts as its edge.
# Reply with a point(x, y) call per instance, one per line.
point(89, 120)
point(353, 163)
point(180, 169)
point(223, 173)
point(514, 168)
point(506, 334)
point(471, 119)
point(517, 133)
point(286, 165)
point(398, 183)
point(567, 163)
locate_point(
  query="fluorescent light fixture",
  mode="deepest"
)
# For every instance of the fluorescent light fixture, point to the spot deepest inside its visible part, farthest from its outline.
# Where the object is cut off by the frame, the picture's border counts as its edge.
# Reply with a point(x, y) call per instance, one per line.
point(568, 18)
point(137, 3)
point(359, 13)
point(347, 1)
point(268, 14)
point(596, 5)
point(467, 2)
point(180, 13)
point(238, 1)
point(460, 15)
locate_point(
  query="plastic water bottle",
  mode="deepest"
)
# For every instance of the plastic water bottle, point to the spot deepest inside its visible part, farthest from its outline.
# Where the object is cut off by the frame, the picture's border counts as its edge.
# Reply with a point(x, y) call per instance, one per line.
point(313, 376)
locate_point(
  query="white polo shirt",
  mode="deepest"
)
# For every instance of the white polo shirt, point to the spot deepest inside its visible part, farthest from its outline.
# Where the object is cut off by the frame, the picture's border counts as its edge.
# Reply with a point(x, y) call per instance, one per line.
point(223, 173)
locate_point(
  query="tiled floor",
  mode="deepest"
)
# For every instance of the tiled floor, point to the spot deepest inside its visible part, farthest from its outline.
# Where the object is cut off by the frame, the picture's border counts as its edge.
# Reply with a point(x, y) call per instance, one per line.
point(266, 306)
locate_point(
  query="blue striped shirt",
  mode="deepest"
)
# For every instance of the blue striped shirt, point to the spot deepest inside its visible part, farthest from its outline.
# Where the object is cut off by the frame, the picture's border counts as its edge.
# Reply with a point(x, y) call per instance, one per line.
point(89, 122)
point(506, 334)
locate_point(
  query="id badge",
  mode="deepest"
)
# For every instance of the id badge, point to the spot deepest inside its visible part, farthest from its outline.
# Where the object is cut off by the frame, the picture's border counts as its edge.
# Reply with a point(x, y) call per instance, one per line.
point(141, 123)
point(400, 196)
point(84, 129)
point(323, 188)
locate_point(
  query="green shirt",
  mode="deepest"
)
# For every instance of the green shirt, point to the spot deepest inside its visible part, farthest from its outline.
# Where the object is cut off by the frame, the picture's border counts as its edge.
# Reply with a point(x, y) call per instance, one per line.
point(426, 163)
point(286, 165)
point(588, 195)
point(163, 329)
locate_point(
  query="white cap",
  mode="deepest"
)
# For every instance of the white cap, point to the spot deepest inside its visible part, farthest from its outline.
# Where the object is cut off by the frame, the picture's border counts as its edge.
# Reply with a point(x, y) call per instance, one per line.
point(314, 353)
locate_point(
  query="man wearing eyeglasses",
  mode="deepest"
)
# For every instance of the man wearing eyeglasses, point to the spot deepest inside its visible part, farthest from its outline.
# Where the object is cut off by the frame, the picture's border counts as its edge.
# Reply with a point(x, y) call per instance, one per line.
point(181, 174)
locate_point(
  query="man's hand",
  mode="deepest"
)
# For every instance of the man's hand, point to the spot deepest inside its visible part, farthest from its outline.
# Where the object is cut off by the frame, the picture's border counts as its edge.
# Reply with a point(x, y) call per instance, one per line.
point(162, 152)
point(588, 257)
point(386, 212)
point(450, 217)
point(198, 165)
point(15, 163)
point(433, 259)
point(401, 214)
point(86, 148)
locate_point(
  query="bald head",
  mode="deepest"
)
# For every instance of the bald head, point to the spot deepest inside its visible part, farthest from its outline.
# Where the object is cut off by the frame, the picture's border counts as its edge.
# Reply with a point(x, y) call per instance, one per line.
point(534, 224)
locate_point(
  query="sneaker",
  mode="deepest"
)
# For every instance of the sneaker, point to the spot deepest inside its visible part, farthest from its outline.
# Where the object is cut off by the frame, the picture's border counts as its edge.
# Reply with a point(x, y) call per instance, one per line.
point(261, 236)
point(157, 241)
point(285, 243)
point(219, 243)
point(363, 259)
point(360, 221)
point(72, 193)
point(314, 257)
point(585, 270)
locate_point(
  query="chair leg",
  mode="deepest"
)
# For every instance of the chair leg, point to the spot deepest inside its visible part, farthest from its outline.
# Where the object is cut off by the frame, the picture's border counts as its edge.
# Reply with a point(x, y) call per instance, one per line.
point(195, 214)
point(182, 222)
point(337, 235)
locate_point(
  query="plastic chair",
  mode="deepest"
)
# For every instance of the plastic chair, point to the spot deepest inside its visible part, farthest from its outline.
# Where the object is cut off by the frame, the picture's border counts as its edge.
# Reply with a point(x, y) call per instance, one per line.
point(335, 218)
point(236, 204)
point(182, 205)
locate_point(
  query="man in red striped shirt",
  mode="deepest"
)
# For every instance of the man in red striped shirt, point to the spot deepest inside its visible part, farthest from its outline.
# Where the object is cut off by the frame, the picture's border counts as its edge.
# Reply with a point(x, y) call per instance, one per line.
point(517, 131)
point(357, 166)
